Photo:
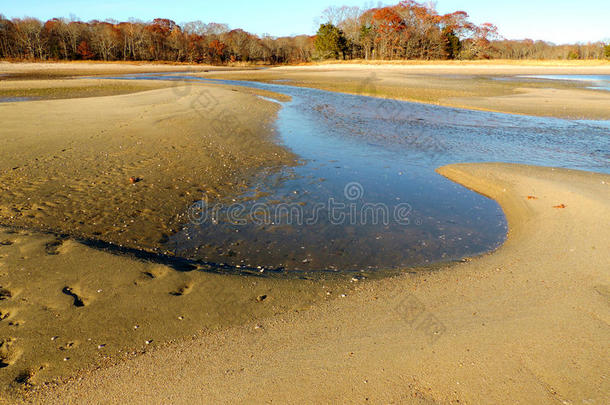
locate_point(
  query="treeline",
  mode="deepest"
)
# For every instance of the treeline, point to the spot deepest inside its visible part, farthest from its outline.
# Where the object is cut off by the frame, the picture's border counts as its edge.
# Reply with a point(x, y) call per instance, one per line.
point(407, 30)
point(159, 40)
point(412, 30)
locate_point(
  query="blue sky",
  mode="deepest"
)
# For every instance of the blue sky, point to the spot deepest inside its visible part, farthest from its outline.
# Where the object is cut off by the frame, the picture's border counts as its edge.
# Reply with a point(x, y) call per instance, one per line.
point(560, 21)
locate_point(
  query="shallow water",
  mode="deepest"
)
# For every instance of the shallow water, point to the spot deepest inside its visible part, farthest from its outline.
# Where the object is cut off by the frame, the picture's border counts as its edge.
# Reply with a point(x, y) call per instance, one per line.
point(16, 99)
point(365, 195)
point(597, 82)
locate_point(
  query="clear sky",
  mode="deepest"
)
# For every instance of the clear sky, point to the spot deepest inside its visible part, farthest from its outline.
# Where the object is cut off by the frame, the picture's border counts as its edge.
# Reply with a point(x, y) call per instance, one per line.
point(559, 21)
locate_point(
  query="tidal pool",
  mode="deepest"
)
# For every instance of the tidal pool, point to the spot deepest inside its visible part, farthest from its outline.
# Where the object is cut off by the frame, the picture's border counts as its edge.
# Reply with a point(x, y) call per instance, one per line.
point(365, 195)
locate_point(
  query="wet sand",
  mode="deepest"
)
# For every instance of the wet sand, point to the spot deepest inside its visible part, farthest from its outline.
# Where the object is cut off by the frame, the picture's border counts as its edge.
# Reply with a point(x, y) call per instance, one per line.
point(528, 322)
point(38, 89)
point(58, 70)
point(461, 85)
point(124, 169)
point(65, 306)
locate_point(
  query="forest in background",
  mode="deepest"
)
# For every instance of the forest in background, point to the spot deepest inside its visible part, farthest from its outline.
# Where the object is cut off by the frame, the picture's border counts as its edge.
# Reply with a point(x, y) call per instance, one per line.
point(405, 31)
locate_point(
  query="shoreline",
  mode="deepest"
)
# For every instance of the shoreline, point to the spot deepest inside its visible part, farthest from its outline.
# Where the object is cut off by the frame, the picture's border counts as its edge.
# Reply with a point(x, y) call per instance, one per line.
point(348, 339)
point(522, 340)
point(463, 86)
point(454, 84)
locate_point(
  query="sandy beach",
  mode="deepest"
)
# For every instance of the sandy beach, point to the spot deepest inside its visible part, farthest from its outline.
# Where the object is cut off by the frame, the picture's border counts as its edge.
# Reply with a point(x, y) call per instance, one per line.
point(481, 85)
point(124, 169)
point(95, 175)
point(526, 324)
point(460, 84)
point(57, 70)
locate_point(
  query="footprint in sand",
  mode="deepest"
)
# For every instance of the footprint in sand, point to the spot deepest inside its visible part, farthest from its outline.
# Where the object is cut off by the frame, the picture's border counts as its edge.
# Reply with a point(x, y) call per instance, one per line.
point(6, 242)
point(8, 315)
point(52, 248)
point(79, 299)
point(5, 293)
point(27, 377)
point(183, 290)
point(152, 274)
point(9, 353)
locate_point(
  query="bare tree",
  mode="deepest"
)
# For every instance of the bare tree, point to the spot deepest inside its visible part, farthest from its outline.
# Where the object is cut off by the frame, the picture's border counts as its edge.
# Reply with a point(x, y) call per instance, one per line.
point(105, 40)
point(29, 35)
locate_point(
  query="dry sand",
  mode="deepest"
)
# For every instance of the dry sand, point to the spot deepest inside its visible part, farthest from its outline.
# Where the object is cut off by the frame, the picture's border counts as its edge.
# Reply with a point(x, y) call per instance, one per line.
point(529, 323)
point(491, 67)
point(462, 85)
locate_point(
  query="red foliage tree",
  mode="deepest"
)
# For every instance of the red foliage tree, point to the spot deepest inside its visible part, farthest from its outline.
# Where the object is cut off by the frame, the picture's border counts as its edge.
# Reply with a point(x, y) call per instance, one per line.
point(217, 49)
point(84, 51)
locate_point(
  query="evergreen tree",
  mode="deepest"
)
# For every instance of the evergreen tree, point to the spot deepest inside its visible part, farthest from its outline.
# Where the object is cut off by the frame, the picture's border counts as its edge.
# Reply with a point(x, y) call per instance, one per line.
point(330, 42)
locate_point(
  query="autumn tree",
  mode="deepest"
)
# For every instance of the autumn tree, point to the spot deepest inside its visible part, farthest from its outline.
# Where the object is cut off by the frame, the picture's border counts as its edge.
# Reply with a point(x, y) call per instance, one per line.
point(481, 45)
point(84, 51)
point(238, 43)
point(455, 26)
point(217, 51)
